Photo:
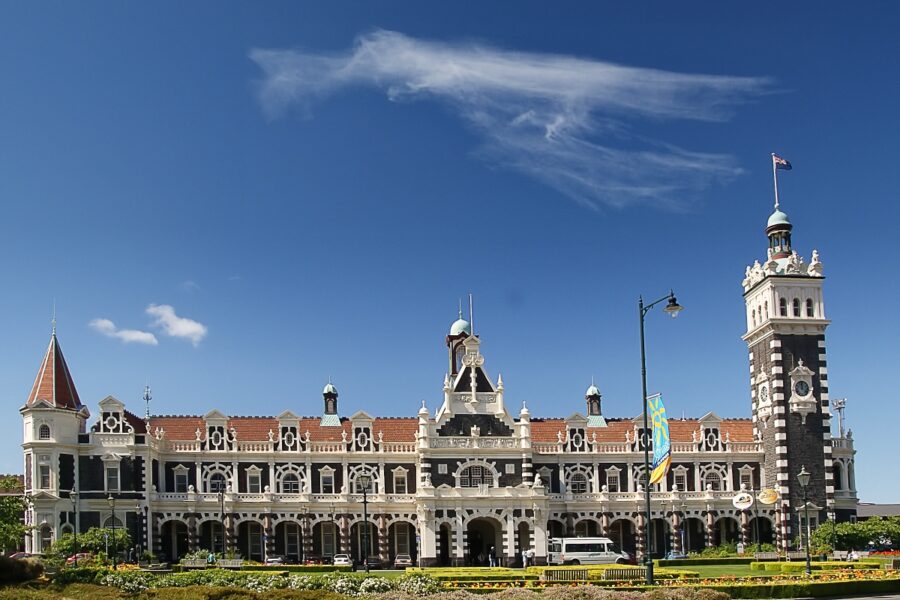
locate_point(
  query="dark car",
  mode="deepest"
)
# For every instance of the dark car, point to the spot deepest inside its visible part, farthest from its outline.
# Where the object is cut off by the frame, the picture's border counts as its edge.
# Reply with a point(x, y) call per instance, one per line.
point(374, 562)
point(314, 559)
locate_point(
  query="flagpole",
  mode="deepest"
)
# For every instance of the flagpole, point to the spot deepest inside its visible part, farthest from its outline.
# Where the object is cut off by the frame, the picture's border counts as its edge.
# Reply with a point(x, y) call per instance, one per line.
point(775, 177)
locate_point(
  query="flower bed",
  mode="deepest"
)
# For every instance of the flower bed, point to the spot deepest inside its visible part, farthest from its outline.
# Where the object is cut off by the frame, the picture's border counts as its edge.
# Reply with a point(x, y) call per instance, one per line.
point(678, 562)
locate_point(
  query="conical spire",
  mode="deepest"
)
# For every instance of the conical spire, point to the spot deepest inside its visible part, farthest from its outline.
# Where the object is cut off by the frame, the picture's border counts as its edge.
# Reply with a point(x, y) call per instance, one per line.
point(54, 382)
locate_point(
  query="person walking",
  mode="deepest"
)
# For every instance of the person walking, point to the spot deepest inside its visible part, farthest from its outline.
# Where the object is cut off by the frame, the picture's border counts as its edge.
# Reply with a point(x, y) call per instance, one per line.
point(492, 557)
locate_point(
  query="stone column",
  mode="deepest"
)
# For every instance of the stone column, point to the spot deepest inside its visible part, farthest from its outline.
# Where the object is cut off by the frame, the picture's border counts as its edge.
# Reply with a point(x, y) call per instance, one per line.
point(230, 533)
point(306, 533)
point(345, 534)
point(193, 533)
point(640, 537)
point(383, 541)
point(676, 532)
point(157, 537)
point(745, 527)
point(604, 524)
point(509, 549)
point(459, 542)
point(269, 534)
point(710, 528)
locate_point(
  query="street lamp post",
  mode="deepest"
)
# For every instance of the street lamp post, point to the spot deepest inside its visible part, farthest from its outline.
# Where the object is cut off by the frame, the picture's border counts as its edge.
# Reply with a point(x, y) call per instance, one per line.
point(803, 480)
point(112, 505)
point(222, 513)
point(364, 480)
point(672, 308)
point(73, 496)
point(139, 530)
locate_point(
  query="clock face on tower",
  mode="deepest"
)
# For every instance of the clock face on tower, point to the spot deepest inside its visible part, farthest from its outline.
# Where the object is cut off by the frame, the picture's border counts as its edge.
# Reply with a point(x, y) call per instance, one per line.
point(801, 388)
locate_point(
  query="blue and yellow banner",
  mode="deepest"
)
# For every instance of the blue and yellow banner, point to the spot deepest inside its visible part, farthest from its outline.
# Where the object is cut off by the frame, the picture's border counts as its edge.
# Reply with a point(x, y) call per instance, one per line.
point(662, 445)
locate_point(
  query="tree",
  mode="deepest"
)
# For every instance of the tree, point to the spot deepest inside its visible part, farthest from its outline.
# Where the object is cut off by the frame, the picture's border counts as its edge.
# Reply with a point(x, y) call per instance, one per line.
point(13, 503)
point(95, 540)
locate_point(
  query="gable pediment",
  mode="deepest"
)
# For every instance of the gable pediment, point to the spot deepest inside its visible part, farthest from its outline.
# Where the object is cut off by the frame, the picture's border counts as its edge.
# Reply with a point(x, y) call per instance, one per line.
point(215, 415)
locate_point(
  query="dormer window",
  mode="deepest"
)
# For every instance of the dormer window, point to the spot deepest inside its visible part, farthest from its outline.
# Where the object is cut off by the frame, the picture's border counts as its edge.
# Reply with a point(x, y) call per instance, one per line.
point(612, 479)
point(254, 480)
point(44, 432)
point(400, 480)
point(181, 479)
point(326, 480)
point(112, 478)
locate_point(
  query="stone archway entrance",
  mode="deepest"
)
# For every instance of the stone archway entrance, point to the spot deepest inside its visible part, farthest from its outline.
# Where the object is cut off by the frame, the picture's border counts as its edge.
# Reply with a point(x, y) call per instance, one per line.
point(624, 534)
point(761, 531)
point(726, 531)
point(444, 544)
point(694, 532)
point(660, 537)
point(484, 535)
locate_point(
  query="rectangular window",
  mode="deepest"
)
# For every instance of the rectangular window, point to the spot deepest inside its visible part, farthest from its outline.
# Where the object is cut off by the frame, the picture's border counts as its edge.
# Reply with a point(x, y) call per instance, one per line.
point(181, 483)
point(612, 482)
point(747, 479)
point(327, 483)
point(510, 469)
point(44, 477)
point(112, 478)
point(681, 481)
point(292, 540)
point(253, 483)
point(442, 469)
point(399, 483)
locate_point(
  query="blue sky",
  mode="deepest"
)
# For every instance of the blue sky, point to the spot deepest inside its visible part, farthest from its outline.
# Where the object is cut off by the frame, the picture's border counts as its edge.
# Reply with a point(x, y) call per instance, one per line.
point(163, 169)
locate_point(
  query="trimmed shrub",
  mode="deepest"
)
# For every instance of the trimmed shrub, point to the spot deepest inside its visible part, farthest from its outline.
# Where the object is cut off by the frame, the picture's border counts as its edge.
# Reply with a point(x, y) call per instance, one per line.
point(299, 568)
point(679, 562)
point(18, 570)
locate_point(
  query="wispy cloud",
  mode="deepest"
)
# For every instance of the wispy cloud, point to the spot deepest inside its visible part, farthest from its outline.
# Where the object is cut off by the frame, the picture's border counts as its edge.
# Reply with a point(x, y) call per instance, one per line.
point(175, 326)
point(565, 121)
point(109, 329)
point(190, 286)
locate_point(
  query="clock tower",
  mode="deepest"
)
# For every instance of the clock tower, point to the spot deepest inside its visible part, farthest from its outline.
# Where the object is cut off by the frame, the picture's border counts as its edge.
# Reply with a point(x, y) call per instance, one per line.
point(789, 377)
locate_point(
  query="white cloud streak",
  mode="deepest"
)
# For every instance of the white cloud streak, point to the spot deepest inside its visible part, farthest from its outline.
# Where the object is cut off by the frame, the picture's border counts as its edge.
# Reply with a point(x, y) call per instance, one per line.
point(128, 336)
point(175, 326)
point(564, 121)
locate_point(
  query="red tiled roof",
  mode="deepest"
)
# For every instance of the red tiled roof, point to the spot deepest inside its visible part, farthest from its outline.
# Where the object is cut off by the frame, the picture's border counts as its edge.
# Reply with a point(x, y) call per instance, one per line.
point(545, 430)
point(54, 382)
point(183, 428)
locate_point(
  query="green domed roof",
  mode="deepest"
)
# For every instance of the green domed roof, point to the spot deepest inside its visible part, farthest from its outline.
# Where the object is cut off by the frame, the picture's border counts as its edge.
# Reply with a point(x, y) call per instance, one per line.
point(459, 326)
point(778, 218)
point(330, 389)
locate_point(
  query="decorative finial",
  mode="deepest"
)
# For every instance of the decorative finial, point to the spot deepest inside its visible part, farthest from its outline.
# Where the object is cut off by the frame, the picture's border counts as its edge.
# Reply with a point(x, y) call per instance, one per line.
point(53, 319)
point(460, 308)
point(147, 398)
point(424, 405)
point(471, 314)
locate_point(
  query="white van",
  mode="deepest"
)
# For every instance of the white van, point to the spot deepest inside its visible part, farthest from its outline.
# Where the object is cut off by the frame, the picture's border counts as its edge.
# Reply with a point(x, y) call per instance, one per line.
point(585, 551)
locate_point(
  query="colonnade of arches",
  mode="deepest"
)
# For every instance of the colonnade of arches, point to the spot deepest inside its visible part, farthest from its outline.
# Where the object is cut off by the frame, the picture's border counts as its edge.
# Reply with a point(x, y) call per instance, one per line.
point(295, 540)
point(691, 534)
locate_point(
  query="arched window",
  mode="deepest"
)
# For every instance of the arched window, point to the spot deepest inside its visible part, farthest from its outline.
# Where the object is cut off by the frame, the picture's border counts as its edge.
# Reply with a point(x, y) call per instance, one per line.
point(112, 522)
point(712, 481)
point(44, 432)
point(838, 475)
point(217, 483)
point(796, 306)
point(809, 308)
point(753, 314)
point(46, 538)
point(782, 307)
point(290, 484)
point(578, 484)
point(475, 476)
point(767, 309)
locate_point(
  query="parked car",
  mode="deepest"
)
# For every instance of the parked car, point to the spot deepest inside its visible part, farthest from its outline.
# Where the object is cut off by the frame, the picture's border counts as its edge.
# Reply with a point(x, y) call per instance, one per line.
point(314, 559)
point(403, 561)
point(275, 560)
point(81, 556)
point(342, 560)
point(21, 555)
point(374, 562)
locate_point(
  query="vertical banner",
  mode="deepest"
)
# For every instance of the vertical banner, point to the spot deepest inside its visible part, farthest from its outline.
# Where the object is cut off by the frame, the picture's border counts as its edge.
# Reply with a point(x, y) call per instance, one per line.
point(662, 446)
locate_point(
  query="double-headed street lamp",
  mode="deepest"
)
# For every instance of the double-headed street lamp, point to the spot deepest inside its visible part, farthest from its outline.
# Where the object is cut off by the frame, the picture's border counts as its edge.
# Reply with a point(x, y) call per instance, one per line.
point(111, 500)
point(672, 308)
point(364, 480)
point(73, 496)
point(803, 480)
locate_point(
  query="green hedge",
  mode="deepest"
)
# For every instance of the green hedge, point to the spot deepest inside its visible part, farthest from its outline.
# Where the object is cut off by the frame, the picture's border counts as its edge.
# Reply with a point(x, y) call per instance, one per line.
point(299, 568)
point(799, 567)
point(677, 562)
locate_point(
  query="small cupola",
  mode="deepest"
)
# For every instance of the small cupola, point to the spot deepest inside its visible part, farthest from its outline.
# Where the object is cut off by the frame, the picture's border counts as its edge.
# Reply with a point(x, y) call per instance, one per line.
point(330, 396)
point(778, 230)
point(594, 407)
